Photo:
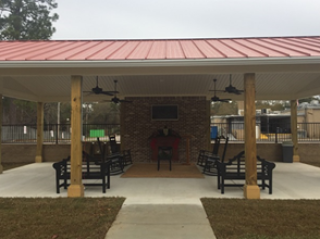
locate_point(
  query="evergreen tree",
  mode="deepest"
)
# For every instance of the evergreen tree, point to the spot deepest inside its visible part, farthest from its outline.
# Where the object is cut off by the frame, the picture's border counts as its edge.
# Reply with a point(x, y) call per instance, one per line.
point(27, 19)
point(223, 108)
point(308, 100)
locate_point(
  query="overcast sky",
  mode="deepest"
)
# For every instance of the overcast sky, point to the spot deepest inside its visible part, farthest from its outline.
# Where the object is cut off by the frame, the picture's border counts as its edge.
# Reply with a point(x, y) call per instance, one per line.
point(169, 19)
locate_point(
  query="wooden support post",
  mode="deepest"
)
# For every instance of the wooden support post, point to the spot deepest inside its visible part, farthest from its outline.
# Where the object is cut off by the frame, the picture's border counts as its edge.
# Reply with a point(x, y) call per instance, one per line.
point(187, 138)
point(39, 156)
point(294, 131)
point(122, 126)
point(1, 167)
point(76, 188)
point(188, 149)
point(251, 188)
point(208, 136)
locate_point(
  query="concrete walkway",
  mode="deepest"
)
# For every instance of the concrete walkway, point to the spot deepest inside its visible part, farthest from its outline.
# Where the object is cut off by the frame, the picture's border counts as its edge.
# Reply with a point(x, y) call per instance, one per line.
point(155, 221)
point(162, 207)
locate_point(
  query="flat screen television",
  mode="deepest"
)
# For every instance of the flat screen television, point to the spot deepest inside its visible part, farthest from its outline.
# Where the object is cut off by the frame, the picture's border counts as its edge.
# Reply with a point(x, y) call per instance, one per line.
point(164, 112)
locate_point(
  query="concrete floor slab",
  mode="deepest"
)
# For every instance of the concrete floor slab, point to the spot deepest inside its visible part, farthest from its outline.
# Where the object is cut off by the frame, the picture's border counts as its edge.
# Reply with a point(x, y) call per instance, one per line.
point(290, 181)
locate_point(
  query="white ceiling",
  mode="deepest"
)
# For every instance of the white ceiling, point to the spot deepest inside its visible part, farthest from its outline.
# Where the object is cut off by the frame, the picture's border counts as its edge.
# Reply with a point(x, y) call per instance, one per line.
point(37, 82)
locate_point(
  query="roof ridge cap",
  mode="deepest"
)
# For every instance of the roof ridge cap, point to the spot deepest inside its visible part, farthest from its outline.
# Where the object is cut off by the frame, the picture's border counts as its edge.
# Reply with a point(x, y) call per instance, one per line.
point(163, 39)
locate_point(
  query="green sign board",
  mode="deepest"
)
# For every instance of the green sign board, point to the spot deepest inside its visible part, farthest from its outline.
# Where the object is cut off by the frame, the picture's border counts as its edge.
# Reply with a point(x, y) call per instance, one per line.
point(94, 133)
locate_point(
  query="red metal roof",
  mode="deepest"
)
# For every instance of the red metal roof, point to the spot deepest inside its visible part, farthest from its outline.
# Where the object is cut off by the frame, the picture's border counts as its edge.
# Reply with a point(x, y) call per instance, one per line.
point(100, 50)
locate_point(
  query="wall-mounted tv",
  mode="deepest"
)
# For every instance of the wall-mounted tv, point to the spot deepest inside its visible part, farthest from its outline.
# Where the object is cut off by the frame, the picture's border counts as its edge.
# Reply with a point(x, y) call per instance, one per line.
point(164, 112)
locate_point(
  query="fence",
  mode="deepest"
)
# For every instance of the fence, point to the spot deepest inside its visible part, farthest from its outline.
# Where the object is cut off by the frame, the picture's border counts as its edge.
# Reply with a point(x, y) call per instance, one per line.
point(59, 134)
point(267, 133)
point(54, 133)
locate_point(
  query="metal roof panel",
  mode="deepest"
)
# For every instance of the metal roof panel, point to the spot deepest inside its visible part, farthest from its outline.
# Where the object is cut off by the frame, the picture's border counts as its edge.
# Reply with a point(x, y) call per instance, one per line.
point(287, 50)
point(267, 52)
point(246, 49)
point(124, 52)
point(49, 50)
point(157, 51)
point(141, 51)
point(307, 48)
point(62, 53)
point(76, 50)
point(226, 50)
point(315, 40)
point(20, 51)
point(174, 50)
point(109, 48)
point(208, 50)
point(10, 45)
point(94, 49)
point(167, 49)
point(190, 50)
point(305, 41)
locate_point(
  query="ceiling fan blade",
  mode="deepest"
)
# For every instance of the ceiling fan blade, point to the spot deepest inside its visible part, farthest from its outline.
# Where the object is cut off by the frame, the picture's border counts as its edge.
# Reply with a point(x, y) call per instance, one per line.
point(238, 92)
point(106, 93)
point(233, 90)
point(110, 93)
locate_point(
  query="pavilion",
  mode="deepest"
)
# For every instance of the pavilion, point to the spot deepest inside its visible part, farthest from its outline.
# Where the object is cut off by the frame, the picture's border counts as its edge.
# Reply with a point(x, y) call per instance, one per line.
point(178, 71)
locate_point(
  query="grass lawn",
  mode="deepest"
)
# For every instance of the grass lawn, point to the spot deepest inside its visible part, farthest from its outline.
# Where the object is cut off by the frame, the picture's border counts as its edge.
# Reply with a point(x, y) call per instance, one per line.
point(60, 218)
point(263, 219)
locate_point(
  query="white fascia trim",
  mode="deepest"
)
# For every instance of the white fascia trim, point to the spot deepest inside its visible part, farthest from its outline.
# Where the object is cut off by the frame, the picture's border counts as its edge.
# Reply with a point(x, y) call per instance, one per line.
point(159, 63)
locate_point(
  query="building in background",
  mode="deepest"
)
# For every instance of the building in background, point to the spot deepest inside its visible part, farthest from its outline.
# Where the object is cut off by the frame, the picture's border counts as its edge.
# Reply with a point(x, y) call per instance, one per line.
point(270, 123)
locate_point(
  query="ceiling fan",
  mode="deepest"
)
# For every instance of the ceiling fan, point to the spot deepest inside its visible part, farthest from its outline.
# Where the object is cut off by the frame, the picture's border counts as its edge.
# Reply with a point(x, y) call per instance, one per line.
point(232, 89)
point(215, 98)
point(115, 99)
point(97, 90)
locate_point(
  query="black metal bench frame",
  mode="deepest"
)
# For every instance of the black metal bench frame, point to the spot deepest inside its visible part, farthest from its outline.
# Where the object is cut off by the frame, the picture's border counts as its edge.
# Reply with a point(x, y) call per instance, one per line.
point(91, 170)
point(118, 159)
point(235, 170)
point(210, 162)
point(204, 154)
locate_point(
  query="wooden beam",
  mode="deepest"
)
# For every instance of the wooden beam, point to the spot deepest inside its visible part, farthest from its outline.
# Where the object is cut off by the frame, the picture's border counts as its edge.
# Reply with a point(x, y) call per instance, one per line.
point(76, 188)
point(208, 136)
point(1, 167)
point(39, 156)
point(122, 126)
point(251, 189)
point(294, 131)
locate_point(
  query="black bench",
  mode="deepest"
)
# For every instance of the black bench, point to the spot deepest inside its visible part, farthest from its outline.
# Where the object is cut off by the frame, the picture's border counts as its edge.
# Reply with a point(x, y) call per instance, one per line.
point(91, 170)
point(235, 170)
point(118, 159)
